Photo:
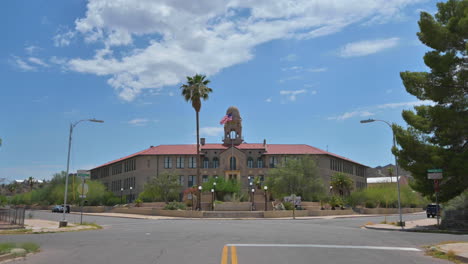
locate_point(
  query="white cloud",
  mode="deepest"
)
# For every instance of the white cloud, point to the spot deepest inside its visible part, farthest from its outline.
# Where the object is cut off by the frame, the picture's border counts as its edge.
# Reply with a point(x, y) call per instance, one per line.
point(290, 78)
point(37, 61)
point(389, 91)
point(351, 114)
point(63, 39)
point(31, 49)
point(180, 39)
point(367, 47)
point(139, 122)
point(292, 68)
point(369, 111)
point(291, 95)
point(171, 93)
point(405, 104)
point(313, 92)
point(268, 100)
point(323, 69)
point(211, 131)
point(289, 57)
point(21, 64)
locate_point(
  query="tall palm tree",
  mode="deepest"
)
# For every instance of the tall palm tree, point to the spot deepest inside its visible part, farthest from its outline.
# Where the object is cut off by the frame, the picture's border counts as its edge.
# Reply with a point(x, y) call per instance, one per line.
point(31, 183)
point(194, 91)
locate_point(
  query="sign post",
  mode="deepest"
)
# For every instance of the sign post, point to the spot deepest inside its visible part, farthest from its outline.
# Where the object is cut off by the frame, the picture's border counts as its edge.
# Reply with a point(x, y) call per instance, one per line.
point(436, 175)
point(83, 189)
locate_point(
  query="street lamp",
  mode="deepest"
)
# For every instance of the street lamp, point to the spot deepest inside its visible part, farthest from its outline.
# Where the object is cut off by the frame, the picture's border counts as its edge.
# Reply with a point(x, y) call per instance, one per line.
point(131, 188)
point(121, 192)
point(401, 223)
point(253, 199)
point(265, 188)
point(63, 223)
point(212, 199)
point(199, 196)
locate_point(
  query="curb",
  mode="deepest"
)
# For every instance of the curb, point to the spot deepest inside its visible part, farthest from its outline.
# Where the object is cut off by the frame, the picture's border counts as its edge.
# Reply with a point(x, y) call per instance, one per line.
point(452, 232)
point(461, 258)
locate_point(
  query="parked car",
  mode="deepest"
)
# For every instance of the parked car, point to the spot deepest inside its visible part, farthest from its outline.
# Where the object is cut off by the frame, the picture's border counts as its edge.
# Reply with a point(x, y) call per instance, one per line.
point(59, 209)
point(432, 210)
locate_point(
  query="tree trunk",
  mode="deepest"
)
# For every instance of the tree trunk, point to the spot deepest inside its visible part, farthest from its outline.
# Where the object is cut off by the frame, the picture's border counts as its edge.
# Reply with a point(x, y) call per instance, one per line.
point(198, 150)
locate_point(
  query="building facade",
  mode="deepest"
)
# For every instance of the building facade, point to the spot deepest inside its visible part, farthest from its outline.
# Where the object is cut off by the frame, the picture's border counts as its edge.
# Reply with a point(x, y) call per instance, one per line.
point(233, 159)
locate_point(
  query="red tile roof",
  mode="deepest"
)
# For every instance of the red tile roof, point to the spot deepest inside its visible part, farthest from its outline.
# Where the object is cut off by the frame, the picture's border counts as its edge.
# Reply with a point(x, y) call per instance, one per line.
point(271, 149)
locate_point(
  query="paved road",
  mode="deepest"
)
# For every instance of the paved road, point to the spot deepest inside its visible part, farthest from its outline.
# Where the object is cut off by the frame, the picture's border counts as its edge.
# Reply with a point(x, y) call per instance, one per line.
point(202, 241)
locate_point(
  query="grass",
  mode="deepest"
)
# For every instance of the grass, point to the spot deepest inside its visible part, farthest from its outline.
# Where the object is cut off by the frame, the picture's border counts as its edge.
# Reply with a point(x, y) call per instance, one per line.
point(91, 224)
point(30, 247)
point(433, 251)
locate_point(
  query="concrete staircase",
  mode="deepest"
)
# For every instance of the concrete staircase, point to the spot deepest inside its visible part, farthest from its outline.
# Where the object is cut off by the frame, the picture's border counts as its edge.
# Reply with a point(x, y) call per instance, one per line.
point(232, 214)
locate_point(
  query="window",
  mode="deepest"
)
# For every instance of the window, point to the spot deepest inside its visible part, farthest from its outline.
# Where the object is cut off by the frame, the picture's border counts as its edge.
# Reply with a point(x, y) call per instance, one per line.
point(215, 163)
point(168, 162)
point(206, 163)
point(117, 169)
point(192, 162)
point(205, 178)
point(250, 162)
point(192, 180)
point(361, 171)
point(148, 163)
point(104, 172)
point(232, 163)
point(180, 162)
point(182, 180)
point(129, 165)
point(259, 163)
point(273, 162)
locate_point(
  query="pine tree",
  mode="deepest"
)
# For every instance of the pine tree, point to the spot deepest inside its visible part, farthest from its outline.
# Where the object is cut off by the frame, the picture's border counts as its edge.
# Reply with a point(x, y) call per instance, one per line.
point(437, 134)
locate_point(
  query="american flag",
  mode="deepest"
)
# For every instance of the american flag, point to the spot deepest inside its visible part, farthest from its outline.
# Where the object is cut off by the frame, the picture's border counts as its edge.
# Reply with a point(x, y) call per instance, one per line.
point(226, 119)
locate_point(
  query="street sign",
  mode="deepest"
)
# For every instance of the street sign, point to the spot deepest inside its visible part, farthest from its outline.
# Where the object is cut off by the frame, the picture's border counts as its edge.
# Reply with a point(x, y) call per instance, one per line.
point(83, 174)
point(434, 174)
point(82, 195)
point(82, 189)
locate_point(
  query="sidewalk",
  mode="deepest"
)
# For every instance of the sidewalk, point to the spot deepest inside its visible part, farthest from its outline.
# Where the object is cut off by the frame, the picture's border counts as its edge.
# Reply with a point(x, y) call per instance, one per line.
point(459, 249)
point(41, 226)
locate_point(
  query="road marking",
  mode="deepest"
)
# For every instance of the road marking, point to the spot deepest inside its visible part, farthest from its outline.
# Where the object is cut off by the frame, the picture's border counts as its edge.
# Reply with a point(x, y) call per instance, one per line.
point(233, 255)
point(322, 246)
point(224, 256)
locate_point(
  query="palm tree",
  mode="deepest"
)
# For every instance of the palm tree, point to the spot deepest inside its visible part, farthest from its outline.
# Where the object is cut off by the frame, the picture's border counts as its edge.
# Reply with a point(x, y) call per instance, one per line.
point(31, 183)
point(194, 91)
point(342, 182)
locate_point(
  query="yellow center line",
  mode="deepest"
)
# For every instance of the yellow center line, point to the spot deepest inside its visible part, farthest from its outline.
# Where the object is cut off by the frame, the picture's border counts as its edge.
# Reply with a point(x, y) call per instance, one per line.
point(233, 255)
point(224, 256)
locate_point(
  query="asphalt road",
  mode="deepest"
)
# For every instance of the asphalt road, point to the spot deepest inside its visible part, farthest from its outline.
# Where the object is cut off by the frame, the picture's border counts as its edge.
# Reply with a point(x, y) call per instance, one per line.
point(203, 241)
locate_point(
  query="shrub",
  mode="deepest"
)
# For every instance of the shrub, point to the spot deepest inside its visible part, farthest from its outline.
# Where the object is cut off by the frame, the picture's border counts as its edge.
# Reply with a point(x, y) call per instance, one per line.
point(370, 204)
point(288, 205)
point(175, 206)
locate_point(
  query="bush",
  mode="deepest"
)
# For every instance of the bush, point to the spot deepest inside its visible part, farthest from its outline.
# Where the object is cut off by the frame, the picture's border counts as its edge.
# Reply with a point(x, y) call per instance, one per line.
point(175, 206)
point(288, 205)
point(370, 204)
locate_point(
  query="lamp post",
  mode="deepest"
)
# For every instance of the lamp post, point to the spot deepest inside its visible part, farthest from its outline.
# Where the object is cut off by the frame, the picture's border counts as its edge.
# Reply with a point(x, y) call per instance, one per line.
point(212, 199)
point(265, 188)
point(400, 223)
point(131, 188)
point(199, 197)
point(121, 192)
point(253, 199)
point(63, 223)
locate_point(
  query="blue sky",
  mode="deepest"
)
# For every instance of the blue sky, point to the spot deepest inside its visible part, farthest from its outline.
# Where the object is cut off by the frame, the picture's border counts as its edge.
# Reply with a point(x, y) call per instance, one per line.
point(300, 72)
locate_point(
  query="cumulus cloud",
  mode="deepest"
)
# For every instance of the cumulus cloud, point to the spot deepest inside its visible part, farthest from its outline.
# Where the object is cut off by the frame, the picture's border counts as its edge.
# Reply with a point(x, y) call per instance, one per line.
point(177, 39)
point(211, 131)
point(367, 47)
point(31, 49)
point(291, 95)
point(268, 100)
point(405, 104)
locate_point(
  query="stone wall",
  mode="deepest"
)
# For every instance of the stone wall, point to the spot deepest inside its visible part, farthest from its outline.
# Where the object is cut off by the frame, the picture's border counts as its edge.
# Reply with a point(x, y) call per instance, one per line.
point(330, 212)
point(387, 210)
point(455, 219)
point(285, 213)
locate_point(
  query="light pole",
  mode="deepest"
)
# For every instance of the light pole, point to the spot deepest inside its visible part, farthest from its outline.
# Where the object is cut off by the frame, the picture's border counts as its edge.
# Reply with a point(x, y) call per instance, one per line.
point(265, 188)
point(63, 223)
point(131, 188)
point(199, 197)
point(121, 193)
point(400, 223)
point(253, 199)
point(212, 199)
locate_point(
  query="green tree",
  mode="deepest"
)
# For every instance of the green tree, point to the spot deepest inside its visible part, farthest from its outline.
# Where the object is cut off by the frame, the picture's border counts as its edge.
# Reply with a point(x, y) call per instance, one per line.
point(194, 91)
point(164, 187)
point(437, 134)
point(296, 176)
point(342, 183)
